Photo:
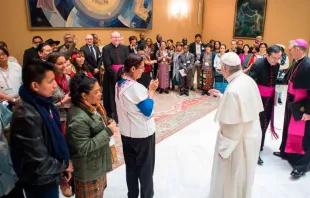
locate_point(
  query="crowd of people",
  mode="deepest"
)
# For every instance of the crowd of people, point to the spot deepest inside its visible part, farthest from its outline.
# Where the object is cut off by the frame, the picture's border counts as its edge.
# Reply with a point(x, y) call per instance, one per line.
point(68, 103)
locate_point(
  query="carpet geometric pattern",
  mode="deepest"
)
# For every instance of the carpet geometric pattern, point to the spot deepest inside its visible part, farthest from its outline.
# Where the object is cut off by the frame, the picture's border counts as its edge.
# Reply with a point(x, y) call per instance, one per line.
point(172, 113)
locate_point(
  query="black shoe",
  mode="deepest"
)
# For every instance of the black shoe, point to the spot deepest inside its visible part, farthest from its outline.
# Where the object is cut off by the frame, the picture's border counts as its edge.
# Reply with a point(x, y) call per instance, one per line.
point(187, 94)
point(181, 94)
point(207, 93)
point(158, 89)
point(203, 93)
point(166, 91)
point(260, 161)
point(173, 87)
point(279, 154)
point(161, 91)
point(280, 101)
point(297, 173)
point(192, 89)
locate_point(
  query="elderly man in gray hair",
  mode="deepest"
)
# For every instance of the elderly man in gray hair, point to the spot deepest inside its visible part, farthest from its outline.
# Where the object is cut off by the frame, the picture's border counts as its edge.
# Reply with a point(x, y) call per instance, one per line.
point(295, 145)
point(239, 136)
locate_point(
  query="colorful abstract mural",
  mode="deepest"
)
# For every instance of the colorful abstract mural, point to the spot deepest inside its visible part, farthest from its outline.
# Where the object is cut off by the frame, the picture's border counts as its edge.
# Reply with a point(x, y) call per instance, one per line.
point(134, 14)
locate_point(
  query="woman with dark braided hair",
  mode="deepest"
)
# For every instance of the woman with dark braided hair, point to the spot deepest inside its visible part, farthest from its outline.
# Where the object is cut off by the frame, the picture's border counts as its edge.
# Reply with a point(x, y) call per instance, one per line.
point(88, 134)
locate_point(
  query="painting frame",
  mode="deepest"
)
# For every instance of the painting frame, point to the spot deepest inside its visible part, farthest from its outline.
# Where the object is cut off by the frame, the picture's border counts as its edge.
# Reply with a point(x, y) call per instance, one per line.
point(31, 27)
point(262, 24)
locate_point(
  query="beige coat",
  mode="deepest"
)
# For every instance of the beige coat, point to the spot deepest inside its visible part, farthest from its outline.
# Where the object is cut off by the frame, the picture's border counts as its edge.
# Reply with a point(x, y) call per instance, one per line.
point(237, 148)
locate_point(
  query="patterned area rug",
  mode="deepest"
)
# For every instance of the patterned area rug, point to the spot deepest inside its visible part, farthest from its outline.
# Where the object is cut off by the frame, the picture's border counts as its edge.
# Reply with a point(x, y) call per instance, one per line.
point(172, 113)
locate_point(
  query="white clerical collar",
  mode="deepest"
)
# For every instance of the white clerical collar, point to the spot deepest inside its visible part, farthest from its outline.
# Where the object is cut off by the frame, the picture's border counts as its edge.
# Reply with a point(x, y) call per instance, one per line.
point(301, 58)
point(234, 75)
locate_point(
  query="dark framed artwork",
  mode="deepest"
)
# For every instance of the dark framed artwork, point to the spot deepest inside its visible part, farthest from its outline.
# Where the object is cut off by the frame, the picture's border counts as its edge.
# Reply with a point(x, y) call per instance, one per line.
point(250, 16)
point(133, 14)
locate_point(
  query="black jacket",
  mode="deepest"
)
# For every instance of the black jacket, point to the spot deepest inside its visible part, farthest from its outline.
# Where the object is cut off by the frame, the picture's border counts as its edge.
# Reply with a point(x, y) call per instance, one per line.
point(94, 63)
point(30, 55)
point(192, 48)
point(31, 148)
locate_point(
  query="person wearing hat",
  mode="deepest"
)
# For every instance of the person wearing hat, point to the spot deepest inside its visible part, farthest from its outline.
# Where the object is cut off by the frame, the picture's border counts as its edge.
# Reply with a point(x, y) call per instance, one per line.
point(53, 44)
point(239, 136)
point(284, 65)
point(295, 145)
point(265, 71)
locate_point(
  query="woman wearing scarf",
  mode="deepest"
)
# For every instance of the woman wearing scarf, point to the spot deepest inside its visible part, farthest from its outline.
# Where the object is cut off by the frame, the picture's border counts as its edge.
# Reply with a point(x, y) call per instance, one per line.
point(61, 96)
point(62, 100)
point(38, 148)
point(246, 59)
point(88, 134)
point(175, 65)
point(284, 66)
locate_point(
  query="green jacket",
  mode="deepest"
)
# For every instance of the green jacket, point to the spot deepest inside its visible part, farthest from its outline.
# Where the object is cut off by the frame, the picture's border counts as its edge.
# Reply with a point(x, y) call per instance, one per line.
point(88, 141)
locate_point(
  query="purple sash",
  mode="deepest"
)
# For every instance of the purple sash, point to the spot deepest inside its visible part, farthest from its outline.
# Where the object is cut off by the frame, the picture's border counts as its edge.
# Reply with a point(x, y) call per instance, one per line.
point(268, 92)
point(116, 67)
point(296, 129)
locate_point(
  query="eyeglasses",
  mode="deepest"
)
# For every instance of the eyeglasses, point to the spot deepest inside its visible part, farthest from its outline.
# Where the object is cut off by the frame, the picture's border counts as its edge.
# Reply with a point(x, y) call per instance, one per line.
point(3, 54)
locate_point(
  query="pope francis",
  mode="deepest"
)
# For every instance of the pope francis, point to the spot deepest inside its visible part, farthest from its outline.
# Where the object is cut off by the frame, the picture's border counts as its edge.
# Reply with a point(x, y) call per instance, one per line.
point(239, 137)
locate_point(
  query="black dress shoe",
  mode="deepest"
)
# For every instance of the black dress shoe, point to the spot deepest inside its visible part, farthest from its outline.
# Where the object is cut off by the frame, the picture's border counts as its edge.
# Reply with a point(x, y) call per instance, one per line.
point(279, 154)
point(297, 173)
point(192, 89)
point(203, 93)
point(260, 161)
point(187, 94)
point(161, 91)
point(280, 101)
point(166, 91)
point(181, 94)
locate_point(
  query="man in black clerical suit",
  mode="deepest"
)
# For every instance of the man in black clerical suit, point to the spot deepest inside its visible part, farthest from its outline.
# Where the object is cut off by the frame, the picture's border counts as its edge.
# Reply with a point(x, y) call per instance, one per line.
point(264, 72)
point(113, 56)
point(32, 53)
point(92, 55)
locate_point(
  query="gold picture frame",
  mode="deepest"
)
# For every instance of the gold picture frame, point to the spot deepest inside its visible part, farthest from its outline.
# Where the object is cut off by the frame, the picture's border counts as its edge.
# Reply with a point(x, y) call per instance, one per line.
point(250, 17)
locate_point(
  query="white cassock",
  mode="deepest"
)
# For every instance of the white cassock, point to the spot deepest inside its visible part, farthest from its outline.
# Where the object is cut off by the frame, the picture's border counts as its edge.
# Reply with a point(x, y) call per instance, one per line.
point(238, 140)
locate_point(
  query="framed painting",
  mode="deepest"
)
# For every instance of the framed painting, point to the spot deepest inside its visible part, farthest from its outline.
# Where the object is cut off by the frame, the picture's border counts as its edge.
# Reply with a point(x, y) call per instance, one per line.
point(133, 14)
point(250, 16)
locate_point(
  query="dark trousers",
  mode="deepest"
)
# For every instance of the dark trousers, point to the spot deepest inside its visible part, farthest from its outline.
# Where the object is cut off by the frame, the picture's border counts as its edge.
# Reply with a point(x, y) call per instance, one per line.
point(44, 191)
point(155, 70)
point(139, 154)
point(185, 82)
point(17, 192)
point(265, 117)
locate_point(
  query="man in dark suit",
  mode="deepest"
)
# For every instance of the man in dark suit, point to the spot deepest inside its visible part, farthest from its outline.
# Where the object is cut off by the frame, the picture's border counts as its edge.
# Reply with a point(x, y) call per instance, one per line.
point(132, 47)
point(32, 53)
point(186, 61)
point(159, 38)
point(92, 55)
point(142, 38)
point(196, 48)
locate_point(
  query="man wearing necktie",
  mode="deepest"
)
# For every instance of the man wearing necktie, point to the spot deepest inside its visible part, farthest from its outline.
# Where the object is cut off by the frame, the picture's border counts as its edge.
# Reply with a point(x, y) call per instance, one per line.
point(92, 55)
